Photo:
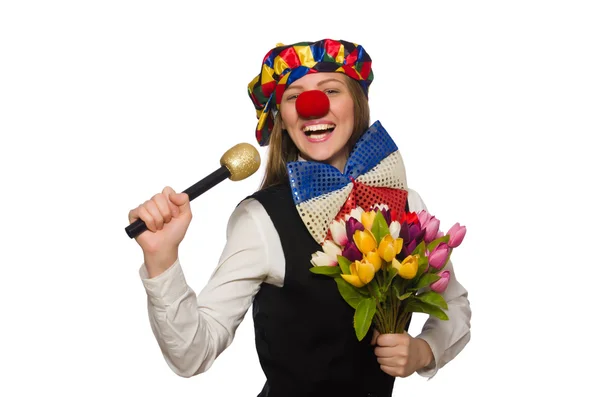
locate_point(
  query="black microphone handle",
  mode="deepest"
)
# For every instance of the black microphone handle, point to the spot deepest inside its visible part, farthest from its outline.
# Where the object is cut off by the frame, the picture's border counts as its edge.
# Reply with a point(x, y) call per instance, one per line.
point(137, 227)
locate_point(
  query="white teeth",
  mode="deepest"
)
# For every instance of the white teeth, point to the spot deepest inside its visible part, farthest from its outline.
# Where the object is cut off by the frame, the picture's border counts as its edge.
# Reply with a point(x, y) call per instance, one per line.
point(318, 127)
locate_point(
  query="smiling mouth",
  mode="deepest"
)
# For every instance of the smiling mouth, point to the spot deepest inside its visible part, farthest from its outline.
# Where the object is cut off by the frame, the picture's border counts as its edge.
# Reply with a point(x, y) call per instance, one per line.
point(318, 129)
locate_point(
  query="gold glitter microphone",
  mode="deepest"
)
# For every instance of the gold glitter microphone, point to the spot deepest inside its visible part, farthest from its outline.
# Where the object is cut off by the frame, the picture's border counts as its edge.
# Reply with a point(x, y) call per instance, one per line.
point(237, 163)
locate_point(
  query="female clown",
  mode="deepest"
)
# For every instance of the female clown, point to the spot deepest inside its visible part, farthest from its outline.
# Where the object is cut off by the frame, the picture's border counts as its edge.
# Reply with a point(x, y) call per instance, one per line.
point(312, 105)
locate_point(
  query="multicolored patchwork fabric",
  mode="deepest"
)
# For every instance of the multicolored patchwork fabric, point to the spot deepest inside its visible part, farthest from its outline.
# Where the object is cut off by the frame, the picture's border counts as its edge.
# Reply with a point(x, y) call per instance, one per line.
point(285, 64)
point(374, 174)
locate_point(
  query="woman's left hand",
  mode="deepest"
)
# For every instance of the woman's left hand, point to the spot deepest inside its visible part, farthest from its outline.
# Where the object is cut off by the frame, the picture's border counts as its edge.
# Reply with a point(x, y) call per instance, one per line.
point(401, 354)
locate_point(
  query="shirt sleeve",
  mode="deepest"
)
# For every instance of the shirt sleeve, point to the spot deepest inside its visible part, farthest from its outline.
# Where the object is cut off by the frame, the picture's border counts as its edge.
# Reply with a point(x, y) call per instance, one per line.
point(193, 330)
point(446, 338)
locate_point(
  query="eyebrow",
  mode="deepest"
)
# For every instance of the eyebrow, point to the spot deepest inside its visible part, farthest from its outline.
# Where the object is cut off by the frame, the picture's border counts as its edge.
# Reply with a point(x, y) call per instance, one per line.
point(320, 83)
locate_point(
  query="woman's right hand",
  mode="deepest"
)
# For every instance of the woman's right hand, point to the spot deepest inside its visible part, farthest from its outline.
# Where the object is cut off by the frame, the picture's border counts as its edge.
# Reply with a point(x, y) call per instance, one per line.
point(167, 216)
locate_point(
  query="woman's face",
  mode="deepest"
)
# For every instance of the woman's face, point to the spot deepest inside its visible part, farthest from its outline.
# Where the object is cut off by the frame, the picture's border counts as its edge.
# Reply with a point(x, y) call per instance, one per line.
point(324, 138)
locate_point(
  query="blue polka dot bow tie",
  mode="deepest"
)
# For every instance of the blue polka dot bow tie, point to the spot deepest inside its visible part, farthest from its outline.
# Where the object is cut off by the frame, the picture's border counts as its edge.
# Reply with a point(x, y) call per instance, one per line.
point(374, 174)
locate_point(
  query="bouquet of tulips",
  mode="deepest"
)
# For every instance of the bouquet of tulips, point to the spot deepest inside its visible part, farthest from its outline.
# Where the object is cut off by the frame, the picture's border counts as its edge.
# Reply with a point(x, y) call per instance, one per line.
point(387, 266)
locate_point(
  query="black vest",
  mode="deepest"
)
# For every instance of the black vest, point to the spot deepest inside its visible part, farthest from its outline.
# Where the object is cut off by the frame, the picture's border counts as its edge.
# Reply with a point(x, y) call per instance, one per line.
point(304, 331)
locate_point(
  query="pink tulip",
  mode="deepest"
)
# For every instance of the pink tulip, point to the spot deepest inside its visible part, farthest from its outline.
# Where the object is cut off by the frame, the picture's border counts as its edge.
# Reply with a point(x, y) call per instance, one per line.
point(424, 217)
point(438, 257)
point(457, 234)
point(431, 229)
point(441, 285)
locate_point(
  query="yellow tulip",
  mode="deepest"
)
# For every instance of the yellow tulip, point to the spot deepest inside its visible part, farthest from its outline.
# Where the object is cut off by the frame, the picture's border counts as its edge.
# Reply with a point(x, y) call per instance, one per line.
point(389, 247)
point(374, 259)
point(366, 271)
point(365, 241)
point(367, 219)
point(361, 273)
point(408, 268)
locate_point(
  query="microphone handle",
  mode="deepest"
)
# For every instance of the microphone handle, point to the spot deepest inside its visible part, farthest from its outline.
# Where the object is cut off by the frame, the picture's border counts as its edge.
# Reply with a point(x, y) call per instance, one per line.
point(138, 227)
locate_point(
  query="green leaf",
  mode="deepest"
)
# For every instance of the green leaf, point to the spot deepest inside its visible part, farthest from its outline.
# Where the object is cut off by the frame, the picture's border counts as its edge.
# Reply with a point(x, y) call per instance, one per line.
point(326, 270)
point(414, 305)
point(363, 291)
point(380, 228)
point(423, 262)
point(431, 246)
point(390, 277)
point(350, 294)
point(433, 298)
point(344, 264)
point(399, 287)
point(404, 296)
point(363, 317)
point(419, 249)
point(426, 280)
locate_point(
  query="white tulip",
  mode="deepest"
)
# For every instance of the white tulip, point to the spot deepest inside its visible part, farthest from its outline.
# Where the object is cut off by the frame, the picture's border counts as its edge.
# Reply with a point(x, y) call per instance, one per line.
point(320, 258)
point(338, 233)
point(395, 229)
point(332, 249)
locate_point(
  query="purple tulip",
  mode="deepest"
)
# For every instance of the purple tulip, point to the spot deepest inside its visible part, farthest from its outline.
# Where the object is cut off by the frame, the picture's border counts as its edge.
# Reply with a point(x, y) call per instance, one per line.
point(438, 257)
point(407, 249)
point(352, 225)
point(351, 252)
point(416, 233)
point(410, 232)
point(457, 234)
point(441, 285)
point(387, 215)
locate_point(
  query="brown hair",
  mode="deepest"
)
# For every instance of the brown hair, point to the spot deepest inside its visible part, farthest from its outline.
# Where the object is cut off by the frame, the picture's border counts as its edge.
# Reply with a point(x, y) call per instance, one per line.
point(283, 150)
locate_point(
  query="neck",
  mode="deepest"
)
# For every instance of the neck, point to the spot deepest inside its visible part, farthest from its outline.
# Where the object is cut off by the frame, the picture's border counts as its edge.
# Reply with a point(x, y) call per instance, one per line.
point(338, 161)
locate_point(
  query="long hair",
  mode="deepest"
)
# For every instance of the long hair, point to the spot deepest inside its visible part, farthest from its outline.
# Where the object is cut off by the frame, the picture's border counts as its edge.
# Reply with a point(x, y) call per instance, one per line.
point(283, 150)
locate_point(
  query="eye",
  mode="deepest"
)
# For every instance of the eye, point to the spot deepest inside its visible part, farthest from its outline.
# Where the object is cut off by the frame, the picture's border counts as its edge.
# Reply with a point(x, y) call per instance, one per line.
point(331, 91)
point(291, 97)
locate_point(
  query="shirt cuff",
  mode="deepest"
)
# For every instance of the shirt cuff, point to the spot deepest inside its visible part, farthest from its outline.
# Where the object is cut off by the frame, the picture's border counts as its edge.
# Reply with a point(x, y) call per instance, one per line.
point(167, 287)
point(430, 370)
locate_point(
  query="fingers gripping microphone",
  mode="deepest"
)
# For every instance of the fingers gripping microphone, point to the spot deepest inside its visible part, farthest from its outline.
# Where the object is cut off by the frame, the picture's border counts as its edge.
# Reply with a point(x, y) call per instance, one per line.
point(237, 163)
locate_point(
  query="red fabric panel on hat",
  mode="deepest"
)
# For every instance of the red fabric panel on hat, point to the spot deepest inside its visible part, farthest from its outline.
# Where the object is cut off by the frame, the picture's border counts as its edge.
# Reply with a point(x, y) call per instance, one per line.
point(279, 90)
point(268, 88)
point(365, 70)
point(290, 57)
point(332, 48)
point(349, 70)
point(352, 57)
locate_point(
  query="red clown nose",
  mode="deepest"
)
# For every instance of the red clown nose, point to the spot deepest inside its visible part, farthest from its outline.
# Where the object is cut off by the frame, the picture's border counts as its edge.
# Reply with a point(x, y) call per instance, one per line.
point(312, 104)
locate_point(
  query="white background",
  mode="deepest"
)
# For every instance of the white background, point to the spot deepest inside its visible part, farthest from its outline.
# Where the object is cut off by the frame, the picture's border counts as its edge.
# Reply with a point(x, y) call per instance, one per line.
point(494, 106)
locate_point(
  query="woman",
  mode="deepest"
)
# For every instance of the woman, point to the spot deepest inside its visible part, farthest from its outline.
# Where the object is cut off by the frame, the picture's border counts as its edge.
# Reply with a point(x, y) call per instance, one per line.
point(311, 102)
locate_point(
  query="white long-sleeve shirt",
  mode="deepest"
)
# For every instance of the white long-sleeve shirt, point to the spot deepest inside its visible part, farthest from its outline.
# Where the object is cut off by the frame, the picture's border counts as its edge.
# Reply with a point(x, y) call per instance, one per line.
point(193, 330)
